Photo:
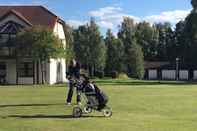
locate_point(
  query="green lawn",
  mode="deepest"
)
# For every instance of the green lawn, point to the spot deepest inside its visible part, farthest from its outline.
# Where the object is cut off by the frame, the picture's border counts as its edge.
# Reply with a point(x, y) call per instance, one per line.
point(137, 106)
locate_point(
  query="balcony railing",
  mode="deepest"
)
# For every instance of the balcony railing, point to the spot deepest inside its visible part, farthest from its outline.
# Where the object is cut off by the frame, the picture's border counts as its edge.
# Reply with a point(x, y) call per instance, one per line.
point(4, 51)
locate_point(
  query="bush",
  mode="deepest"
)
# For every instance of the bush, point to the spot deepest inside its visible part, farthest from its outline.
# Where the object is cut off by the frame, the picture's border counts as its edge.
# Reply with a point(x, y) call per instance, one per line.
point(99, 74)
point(123, 76)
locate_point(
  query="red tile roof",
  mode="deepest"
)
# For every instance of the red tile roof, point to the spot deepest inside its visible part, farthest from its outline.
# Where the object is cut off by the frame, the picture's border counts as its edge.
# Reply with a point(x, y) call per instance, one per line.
point(17, 14)
point(36, 15)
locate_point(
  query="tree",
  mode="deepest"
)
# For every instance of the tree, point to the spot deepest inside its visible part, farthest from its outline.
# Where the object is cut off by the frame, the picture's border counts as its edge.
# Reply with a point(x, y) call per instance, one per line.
point(114, 55)
point(170, 44)
point(89, 47)
point(81, 45)
point(194, 4)
point(127, 34)
point(69, 41)
point(147, 36)
point(39, 43)
point(136, 61)
point(179, 45)
point(165, 40)
point(189, 35)
point(98, 49)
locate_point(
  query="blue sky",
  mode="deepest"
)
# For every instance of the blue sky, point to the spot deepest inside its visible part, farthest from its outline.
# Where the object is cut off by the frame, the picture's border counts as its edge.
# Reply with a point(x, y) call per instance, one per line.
point(109, 13)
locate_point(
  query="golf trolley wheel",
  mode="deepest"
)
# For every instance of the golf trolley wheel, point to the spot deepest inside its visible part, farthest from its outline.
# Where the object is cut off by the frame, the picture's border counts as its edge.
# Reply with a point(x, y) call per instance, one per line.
point(107, 112)
point(87, 109)
point(77, 112)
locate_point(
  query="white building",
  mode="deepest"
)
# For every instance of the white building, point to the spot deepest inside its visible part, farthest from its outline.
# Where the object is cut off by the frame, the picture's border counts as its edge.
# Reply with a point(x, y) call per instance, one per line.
point(12, 20)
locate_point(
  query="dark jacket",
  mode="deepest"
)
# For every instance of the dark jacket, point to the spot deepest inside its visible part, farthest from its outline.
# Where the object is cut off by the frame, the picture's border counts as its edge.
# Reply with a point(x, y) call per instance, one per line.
point(74, 71)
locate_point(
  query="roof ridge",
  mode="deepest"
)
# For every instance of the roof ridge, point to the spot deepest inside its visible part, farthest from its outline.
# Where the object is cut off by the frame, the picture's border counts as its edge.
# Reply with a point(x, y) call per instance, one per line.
point(50, 12)
point(43, 7)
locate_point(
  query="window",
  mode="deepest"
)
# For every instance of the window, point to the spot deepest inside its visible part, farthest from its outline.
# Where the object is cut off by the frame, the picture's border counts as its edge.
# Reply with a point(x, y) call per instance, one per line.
point(4, 38)
point(12, 36)
point(26, 69)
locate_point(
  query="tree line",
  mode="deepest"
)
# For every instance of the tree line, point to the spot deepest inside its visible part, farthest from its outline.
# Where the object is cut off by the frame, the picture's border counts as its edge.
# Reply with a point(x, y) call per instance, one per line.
point(133, 44)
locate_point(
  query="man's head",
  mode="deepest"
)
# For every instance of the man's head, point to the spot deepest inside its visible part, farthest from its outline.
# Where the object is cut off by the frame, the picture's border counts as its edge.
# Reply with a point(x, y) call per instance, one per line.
point(73, 63)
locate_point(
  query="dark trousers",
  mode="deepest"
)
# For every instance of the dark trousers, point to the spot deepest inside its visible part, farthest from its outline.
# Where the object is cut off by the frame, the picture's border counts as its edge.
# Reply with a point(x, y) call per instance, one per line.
point(70, 93)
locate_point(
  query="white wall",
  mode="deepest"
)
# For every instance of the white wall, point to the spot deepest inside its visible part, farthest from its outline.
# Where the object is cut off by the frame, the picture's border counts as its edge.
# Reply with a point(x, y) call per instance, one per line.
point(25, 80)
point(53, 71)
point(183, 75)
point(152, 74)
point(11, 72)
point(54, 77)
point(195, 75)
point(59, 30)
point(168, 74)
point(52, 67)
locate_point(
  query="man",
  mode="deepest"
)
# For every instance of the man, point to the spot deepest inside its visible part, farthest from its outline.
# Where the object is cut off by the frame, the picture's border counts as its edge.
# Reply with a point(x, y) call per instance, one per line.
point(73, 74)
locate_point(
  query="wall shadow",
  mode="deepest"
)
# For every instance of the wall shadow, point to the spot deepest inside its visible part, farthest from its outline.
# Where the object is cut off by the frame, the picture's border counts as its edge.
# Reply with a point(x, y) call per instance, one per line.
point(51, 116)
point(29, 105)
point(141, 83)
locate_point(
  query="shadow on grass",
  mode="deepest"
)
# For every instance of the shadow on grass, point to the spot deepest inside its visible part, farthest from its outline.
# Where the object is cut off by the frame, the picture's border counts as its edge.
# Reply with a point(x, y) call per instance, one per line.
point(29, 105)
point(141, 83)
point(50, 116)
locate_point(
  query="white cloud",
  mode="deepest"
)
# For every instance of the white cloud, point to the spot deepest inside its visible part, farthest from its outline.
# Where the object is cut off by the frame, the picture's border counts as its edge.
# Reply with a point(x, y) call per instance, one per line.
point(110, 17)
point(105, 11)
point(75, 23)
point(169, 16)
point(106, 24)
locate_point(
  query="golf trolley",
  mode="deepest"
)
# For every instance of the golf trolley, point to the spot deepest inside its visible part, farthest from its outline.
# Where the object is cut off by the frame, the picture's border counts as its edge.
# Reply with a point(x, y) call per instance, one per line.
point(94, 98)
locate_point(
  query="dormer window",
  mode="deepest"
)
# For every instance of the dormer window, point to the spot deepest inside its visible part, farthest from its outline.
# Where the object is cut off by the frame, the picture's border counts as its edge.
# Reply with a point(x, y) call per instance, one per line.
point(10, 27)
